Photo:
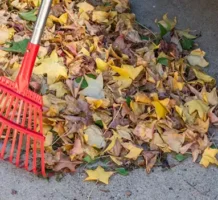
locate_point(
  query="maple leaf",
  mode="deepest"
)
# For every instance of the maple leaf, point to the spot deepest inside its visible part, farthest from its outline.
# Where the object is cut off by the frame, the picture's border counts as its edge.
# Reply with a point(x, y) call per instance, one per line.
point(199, 106)
point(209, 157)
point(51, 66)
point(59, 87)
point(99, 174)
point(95, 87)
point(127, 74)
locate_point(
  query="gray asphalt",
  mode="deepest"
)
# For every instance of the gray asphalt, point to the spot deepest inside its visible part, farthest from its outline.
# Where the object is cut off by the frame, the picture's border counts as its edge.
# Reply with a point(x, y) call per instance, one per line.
point(186, 181)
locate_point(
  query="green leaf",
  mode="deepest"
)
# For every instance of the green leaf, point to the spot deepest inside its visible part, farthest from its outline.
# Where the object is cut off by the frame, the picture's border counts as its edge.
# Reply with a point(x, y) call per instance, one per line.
point(213, 146)
point(186, 43)
point(18, 47)
point(99, 123)
point(88, 159)
point(144, 37)
point(28, 16)
point(180, 157)
point(84, 82)
point(163, 61)
point(122, 171)
point(128, 100)
point(163, 31)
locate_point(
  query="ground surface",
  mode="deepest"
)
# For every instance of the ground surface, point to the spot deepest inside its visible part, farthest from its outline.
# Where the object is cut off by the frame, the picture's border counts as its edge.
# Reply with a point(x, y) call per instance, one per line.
point(186, 181)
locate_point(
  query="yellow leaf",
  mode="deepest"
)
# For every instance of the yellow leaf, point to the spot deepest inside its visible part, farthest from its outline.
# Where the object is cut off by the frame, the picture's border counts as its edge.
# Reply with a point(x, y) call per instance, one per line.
point(52, 67)
point(6, 34)
point(142, 97)
point(212, 97)
point(100, 16)
point(59, 87)
point(134, 151)
point(101, 65)
point(176, 84)
point(98, 103)
point(48, 139)
point(99, 174)
point(61, 20)
point(133, 71)
point(92, 152)
point(113, 141)
point(196, 57)
point(160, 110)
point(199, 106)
point(116, 160)
point(137, 108)
point(85, 7)
point(84, 51)
point(209, 157)
point(123, 82)
point(127, 74)
point(204, 77)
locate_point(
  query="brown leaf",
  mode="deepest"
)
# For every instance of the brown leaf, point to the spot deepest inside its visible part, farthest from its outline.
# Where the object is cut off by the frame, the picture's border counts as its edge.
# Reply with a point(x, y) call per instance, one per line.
point(150, 159)
point(77, 149)
point(65, 163)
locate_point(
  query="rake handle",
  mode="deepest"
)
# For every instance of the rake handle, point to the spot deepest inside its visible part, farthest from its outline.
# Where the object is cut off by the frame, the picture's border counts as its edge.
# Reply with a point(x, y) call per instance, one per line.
point(24, 75)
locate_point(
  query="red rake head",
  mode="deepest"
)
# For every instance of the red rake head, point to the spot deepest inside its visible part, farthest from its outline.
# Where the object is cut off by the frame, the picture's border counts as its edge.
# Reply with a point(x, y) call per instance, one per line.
point(21, 127)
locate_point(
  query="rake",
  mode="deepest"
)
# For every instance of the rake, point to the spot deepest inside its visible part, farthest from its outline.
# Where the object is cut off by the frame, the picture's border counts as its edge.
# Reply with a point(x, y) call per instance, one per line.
point(21, 129)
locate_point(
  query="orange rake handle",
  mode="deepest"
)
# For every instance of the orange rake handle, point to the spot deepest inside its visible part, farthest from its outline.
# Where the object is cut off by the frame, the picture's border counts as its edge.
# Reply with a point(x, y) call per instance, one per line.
point(24, 75)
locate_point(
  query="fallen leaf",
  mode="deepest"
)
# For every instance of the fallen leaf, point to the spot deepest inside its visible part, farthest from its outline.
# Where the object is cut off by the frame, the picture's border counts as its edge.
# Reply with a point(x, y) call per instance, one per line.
point(173, 139)
point(209, 157)
point(196, 58)
point(59, 87)
point(127, 74)
point(99, 174)
point(160, 109)
point(199, 106)
point(6, 34)
point(51, 66)
point(95, 88)
point(134, 151)
point(95, 137)
point(150, 159)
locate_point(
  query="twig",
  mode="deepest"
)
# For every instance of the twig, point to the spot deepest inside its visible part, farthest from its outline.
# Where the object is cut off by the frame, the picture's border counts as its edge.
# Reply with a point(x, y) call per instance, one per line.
point(76, 90)
point(113, 119)
point(145, 27)
point(92, 190)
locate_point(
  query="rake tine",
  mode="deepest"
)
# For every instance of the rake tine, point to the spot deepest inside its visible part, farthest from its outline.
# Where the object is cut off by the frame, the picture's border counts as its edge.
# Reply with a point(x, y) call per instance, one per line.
point(2, 96)
point(21, 134)
point(34, 156)
point(4, 104)
point(5, 143)
point(42, 159)
point(42, 147)
point(15, 131)
point(3, 125)
point(27, 153)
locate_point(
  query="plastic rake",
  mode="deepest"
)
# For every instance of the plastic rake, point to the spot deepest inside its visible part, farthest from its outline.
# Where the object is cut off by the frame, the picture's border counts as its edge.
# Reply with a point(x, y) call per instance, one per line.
point(21, 132)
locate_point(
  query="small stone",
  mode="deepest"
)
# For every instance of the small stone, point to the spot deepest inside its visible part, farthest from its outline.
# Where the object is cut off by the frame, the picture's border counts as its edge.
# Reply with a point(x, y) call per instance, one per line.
point(128, 193)
point(13, 192)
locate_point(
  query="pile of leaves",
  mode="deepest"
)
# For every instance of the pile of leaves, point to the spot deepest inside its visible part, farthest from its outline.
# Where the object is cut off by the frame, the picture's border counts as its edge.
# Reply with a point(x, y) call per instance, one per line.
point(116, 95)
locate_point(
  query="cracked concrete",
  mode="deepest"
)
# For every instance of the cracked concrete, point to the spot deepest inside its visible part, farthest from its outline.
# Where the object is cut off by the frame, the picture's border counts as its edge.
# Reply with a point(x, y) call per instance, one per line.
point(186, 181)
